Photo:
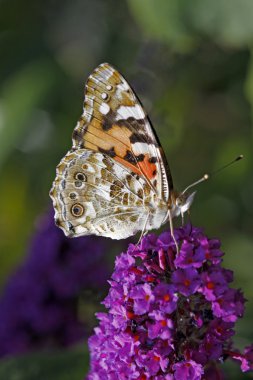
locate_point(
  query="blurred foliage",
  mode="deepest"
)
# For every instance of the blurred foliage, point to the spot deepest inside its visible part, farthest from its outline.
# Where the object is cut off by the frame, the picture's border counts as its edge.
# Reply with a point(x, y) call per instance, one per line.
point(182, 23)
point(190, 63)
point(59, 365)
point(163, 21)
point(22, 93)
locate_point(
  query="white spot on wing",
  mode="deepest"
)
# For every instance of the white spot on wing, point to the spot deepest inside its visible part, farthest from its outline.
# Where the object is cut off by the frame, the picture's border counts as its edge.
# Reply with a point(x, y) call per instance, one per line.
point(125, 112)
point(123, 86)
point(104, 71)
point(104, 108)
point(141, 147)
point(80, 230)
point(94, 79)
point(85, 154)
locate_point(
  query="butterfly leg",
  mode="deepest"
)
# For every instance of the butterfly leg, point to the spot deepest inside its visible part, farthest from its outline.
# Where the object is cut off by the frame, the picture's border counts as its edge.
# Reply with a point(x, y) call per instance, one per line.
point(182, 218)
point(172, 232)
point(189, 217)
point(143, 232)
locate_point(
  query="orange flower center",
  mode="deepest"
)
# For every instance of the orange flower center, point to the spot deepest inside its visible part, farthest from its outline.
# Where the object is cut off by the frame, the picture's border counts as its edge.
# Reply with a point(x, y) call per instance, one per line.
point(163, 322)
point(136, 270)
point(130, 315)
point(210, 285)
point(207, 255)
point(166, 297)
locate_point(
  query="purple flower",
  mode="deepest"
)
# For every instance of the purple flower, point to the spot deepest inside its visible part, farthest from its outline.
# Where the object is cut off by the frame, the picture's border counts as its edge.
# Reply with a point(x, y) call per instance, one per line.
point(209, 349)
point(143, 297)
point(190, 256)
point(155, 360)
point(170, 316)
point(212, 250)
point(214, 284)
point(188, 370)
point(222, 330)
point(187, 281)
point(160, 326)
point(229, 305)
point(166, 297)
point(246, 358)
point(39, 305)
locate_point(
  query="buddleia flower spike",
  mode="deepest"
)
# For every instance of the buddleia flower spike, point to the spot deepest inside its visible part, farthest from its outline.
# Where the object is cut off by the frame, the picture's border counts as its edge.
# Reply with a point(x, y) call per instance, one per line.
point(168, 316)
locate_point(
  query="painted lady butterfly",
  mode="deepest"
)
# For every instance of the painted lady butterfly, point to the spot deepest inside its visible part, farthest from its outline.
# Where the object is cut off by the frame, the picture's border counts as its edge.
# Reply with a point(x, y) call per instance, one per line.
point(115, 180)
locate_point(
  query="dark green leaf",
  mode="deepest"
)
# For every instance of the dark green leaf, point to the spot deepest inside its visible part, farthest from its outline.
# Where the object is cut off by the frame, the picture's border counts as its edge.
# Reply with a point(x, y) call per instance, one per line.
point(60, 365)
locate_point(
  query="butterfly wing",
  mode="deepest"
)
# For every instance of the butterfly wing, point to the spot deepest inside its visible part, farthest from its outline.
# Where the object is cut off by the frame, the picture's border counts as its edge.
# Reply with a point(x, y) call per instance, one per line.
point(93, 194)
point(114, 122)
point(115, 181)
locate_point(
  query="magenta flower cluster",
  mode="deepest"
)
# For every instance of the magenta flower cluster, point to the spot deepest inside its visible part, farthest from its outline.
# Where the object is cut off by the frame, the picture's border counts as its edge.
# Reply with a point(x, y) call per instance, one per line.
point(170, 316)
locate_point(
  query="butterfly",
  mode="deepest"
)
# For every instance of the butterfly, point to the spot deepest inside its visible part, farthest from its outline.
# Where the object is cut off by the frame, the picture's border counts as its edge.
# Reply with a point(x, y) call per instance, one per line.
point(115, 181)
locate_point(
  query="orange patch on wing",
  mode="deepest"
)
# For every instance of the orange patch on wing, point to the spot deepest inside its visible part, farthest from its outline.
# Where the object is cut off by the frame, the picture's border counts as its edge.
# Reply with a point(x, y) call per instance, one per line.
point(117, 137)
point(120, 138)
point(128, 165)
point(115, 78)
point(94, 87)
point(97, 137)
point(144, 168)
point(127, 100)
point(90, 146)
point(148, 168)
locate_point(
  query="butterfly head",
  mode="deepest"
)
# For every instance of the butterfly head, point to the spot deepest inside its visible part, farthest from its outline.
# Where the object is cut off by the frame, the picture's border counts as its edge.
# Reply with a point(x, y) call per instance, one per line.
point(183, 202)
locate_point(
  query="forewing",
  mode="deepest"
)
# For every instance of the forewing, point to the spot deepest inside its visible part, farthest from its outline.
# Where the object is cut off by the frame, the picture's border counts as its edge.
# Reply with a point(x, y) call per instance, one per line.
point(114, 123)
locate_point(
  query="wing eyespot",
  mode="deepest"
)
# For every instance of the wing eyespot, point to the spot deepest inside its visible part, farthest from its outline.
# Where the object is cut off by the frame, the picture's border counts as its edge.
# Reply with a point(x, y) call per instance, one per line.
point(78, 184)
point(72, 195)
point(80, 177)
point(77, 210)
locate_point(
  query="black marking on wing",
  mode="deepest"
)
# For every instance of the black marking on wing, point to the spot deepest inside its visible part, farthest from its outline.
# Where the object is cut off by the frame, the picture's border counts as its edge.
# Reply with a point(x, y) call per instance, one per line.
point(110, 152)
point(108, 121)
point(153, 160)
point(78, 136)
point(130, 157)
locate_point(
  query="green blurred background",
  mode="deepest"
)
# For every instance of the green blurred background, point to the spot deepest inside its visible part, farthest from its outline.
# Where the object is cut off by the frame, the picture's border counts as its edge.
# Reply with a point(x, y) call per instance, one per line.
point(190, 62)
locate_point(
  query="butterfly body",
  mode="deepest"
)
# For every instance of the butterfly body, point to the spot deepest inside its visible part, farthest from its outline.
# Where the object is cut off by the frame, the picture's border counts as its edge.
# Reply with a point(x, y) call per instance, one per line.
point(115, 181)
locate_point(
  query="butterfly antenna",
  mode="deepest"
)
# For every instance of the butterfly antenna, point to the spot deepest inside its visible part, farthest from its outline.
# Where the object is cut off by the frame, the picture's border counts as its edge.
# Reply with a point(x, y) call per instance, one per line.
point(202, 179)
point(207, 176)
point(225, 166)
